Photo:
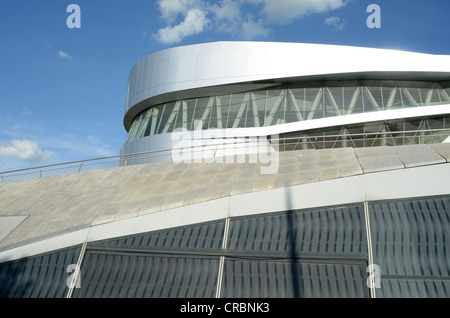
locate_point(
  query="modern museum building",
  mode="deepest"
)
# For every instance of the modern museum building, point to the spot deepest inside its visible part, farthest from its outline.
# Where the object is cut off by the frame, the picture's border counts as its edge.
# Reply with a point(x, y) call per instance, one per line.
point(251, 170)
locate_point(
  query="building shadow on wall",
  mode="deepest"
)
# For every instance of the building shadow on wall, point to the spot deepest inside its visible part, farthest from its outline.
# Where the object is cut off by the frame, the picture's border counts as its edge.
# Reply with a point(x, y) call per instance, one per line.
point(292, 243)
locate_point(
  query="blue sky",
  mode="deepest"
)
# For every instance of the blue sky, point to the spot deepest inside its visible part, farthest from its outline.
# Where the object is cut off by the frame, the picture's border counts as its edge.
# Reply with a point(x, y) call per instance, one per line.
point(63, 90)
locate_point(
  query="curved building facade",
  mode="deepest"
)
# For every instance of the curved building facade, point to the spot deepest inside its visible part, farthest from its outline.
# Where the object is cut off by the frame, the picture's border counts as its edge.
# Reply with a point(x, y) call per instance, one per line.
point(310, 96)
point(349, 196)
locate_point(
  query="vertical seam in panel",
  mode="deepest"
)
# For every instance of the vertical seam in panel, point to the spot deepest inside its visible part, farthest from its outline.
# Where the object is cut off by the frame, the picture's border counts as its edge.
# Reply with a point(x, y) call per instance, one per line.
point(219, 277)
point(369, 248)
point(77, 271)
point(222, 258)
point(225, 234)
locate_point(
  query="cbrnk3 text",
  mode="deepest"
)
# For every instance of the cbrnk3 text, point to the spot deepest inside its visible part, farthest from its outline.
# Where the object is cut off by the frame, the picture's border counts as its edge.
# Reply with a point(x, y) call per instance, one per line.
point(228, 307)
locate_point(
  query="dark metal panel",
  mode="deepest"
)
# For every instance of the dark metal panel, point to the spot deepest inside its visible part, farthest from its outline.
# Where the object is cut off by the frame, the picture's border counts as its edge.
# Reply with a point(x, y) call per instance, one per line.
point(293, 279)
point(193, 237)
point(41, 276)
point(330, 231)
point(414, 288)
point(136, 275)
point(410, 241)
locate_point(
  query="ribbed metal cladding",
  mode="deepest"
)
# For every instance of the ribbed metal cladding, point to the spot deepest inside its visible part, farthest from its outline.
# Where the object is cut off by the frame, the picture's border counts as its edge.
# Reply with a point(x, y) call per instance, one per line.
point(411, 246)
point(128, 275)
point(201, 236)
point(414, 288)
point(301, 253)
point(41, 276)
point(284, 279)
point(165, 263)
point(331, 231)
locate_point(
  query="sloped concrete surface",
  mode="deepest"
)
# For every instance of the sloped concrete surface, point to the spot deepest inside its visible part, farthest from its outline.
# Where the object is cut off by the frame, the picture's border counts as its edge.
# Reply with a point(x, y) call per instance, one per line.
point(49, 206)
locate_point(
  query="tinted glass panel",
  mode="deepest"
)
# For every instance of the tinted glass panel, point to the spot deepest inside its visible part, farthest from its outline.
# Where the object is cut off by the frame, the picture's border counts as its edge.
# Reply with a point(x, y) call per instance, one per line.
point(410, 241)
point(42, 276)
point(338, 231)
point(284, 279)
point(202, 236)
point(127, 275)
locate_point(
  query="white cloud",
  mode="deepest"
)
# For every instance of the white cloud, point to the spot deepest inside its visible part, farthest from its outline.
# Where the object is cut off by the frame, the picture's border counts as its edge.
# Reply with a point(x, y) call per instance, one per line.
point(194, 22)
point(252, 30)
point(171, 9)
point(286, 11)
point(335, 22)
point(227, 16)
point(25, 150)
point(248, 19)
point(64, 55)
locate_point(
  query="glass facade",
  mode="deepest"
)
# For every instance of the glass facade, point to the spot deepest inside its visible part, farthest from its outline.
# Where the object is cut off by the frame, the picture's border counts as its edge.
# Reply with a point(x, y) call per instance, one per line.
point(320, 252)
point(41, 276)
point(411, 246)
point(287, 103)
point(425, 130)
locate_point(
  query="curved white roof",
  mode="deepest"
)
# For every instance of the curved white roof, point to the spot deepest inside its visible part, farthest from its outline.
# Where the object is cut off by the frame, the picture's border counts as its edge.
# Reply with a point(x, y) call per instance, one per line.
point(187, 71)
